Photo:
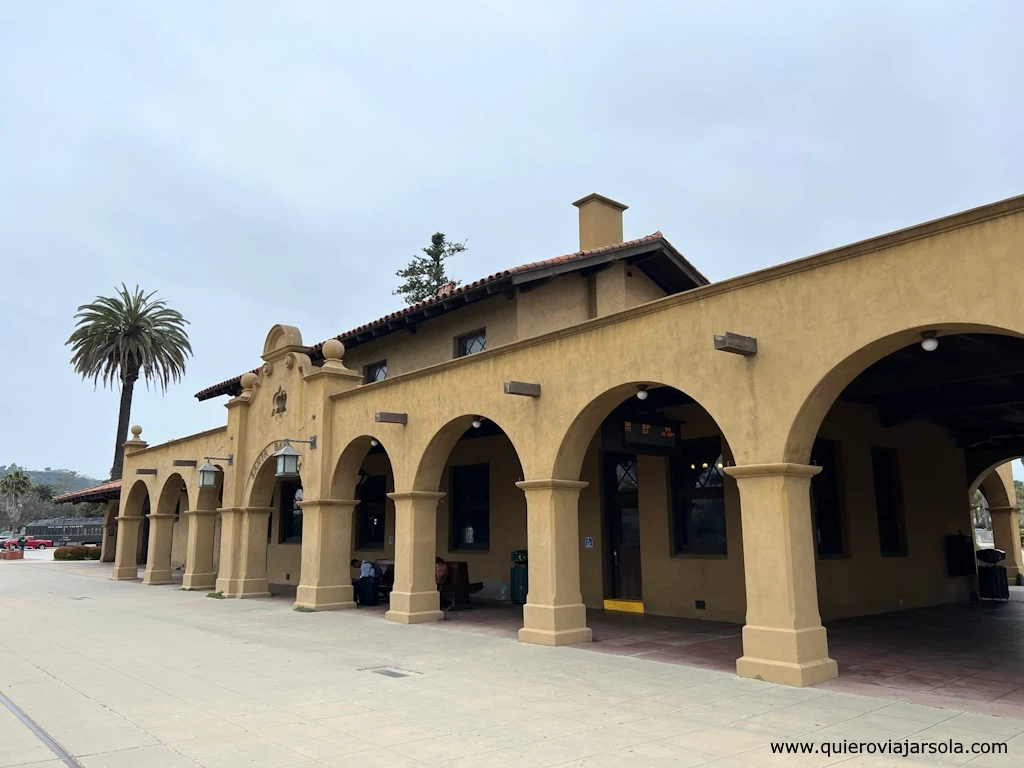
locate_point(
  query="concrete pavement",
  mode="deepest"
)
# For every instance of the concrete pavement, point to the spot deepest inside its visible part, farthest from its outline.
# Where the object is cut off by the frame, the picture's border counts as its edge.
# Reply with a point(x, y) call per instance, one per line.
point(126, 676)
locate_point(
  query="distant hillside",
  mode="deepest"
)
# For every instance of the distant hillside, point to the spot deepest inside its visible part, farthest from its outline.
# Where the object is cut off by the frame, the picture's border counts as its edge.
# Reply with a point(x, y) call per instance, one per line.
point(62, 480)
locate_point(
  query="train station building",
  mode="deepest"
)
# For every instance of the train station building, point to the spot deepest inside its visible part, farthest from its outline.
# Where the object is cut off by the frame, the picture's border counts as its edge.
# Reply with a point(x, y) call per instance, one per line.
point(789, 446)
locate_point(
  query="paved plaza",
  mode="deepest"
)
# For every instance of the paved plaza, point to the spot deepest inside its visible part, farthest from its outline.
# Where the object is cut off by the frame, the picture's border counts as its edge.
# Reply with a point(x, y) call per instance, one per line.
point(126, 676)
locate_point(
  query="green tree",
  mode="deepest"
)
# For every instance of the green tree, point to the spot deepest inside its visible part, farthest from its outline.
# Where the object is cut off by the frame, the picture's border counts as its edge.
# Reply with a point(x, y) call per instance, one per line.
point(43, 491)
point(1018, 487)
point(119, 338)
point(425, 275)
point(13, 488)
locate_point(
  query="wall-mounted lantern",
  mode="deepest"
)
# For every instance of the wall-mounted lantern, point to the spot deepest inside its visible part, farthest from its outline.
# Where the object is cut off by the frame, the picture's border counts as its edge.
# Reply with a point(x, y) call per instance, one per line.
point(288, 458)
point(287, 461)
point(208, 472)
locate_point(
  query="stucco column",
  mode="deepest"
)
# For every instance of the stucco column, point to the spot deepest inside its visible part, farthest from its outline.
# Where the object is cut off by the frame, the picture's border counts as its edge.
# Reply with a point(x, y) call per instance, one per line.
point(414, 597)
point(252, 553)
point(1006, 536)
point(230, 535)
point(199, 555)
point(126, 554)
point(158, 559)
point(326, 583)
point(554, 613)
point(783, 640)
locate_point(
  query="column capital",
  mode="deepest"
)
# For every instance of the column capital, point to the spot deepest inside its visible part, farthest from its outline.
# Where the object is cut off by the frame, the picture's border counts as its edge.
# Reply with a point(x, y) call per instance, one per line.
point(328, 503)
point(403, 495)
point(130, 518)
point(552, 484)
point(160, 516)
point(200, 512)
point(256, 510)
point(771, 470)
point(1003, 509)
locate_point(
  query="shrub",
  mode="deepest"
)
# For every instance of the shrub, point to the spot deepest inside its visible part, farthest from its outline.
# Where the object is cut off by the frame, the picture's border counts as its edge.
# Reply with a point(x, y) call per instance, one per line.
point(74, 553)
point(93, 553)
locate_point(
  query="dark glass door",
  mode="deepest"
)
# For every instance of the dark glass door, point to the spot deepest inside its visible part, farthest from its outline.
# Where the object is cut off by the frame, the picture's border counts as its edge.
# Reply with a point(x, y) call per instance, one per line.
point(623, 510)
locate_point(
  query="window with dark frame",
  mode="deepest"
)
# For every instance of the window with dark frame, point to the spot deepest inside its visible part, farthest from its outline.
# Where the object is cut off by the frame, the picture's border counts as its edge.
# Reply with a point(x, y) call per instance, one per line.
point(372, 495)
point(470, 488)
point(375, 372)
point(826, 499)
point(290, 527)
point(892, 530)
point(471, 343)
point(698, 498)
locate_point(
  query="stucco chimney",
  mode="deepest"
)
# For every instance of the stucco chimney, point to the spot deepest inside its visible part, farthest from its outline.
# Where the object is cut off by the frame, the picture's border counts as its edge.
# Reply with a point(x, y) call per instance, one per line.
point(600, 221)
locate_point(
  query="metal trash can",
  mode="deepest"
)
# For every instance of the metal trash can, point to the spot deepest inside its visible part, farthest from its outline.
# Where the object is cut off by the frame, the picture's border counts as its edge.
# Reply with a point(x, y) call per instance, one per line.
point(992, 583)
point(519, 579)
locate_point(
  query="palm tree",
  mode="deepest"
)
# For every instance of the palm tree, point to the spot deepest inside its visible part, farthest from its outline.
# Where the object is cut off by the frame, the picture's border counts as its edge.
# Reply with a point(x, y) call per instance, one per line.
point(120, 338)
point(13, 486)
point(43, 491)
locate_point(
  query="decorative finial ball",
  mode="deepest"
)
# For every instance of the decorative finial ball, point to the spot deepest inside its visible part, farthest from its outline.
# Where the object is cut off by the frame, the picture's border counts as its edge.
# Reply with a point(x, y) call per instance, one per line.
point(248, 380)
point(136, 431)
point(333, 350)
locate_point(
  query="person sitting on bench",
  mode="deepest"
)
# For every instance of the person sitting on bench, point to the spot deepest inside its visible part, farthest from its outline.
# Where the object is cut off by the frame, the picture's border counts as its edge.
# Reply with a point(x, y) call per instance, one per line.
point(440, 571)
point(367, 585)
point(440, 574)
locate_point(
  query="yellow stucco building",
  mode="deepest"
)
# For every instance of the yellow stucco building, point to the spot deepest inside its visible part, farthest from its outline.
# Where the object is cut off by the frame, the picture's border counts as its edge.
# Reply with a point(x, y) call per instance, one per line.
point(774, 449)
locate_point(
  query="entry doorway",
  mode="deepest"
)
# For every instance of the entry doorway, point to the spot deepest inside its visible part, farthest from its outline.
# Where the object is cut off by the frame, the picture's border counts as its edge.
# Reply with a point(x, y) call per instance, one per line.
point(622, 508)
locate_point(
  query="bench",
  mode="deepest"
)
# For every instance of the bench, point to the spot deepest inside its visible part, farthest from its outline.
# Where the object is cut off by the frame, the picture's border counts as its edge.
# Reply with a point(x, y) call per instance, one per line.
point(457, 587)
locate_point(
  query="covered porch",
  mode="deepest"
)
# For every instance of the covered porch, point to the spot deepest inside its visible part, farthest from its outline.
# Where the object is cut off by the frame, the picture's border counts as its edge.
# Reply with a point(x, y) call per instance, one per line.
point(960, 656)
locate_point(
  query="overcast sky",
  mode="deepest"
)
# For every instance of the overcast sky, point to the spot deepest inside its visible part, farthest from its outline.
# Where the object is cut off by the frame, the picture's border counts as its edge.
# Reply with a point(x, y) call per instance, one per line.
point(261, 162)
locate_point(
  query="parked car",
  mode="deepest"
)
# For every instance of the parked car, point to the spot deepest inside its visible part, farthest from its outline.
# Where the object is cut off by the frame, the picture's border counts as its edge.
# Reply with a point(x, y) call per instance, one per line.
point(31, 542)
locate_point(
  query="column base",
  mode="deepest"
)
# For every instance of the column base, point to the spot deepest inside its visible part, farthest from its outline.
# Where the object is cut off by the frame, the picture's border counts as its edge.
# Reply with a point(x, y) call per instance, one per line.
point(797, 657)
point(156, 578)
point(555, 624)
point(423, 617)
point(125, 573)
point(415, 607)
point(227, 587)
point(800, 675)
point(251, 588)
point(198, 581)
point(550, 637)
point(324, 598)
point(1014, 575)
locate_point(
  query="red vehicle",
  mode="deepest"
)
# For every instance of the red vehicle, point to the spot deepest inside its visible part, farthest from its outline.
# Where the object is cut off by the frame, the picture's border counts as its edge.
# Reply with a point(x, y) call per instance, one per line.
point(31, 542)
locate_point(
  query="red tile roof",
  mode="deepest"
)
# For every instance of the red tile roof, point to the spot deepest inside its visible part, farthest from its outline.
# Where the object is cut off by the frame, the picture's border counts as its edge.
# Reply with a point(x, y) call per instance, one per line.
point(108, 490)
point(225, 387)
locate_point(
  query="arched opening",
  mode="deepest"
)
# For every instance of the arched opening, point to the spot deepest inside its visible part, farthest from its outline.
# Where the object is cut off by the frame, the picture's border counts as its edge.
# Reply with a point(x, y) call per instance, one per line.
point(996, 514)
point(138, 506)
point(364, 474)
point(274, 505)
point(167, 533)
point(659, 519)
point(901, 429)
point(481, 519)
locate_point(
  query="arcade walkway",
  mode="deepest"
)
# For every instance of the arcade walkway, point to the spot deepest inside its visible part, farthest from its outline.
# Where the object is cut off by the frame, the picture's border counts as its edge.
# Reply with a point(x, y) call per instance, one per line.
point(966, 657)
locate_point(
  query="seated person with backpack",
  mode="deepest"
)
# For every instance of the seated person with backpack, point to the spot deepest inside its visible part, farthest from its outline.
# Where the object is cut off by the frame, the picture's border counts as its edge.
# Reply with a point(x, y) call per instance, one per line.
point(366, 587)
